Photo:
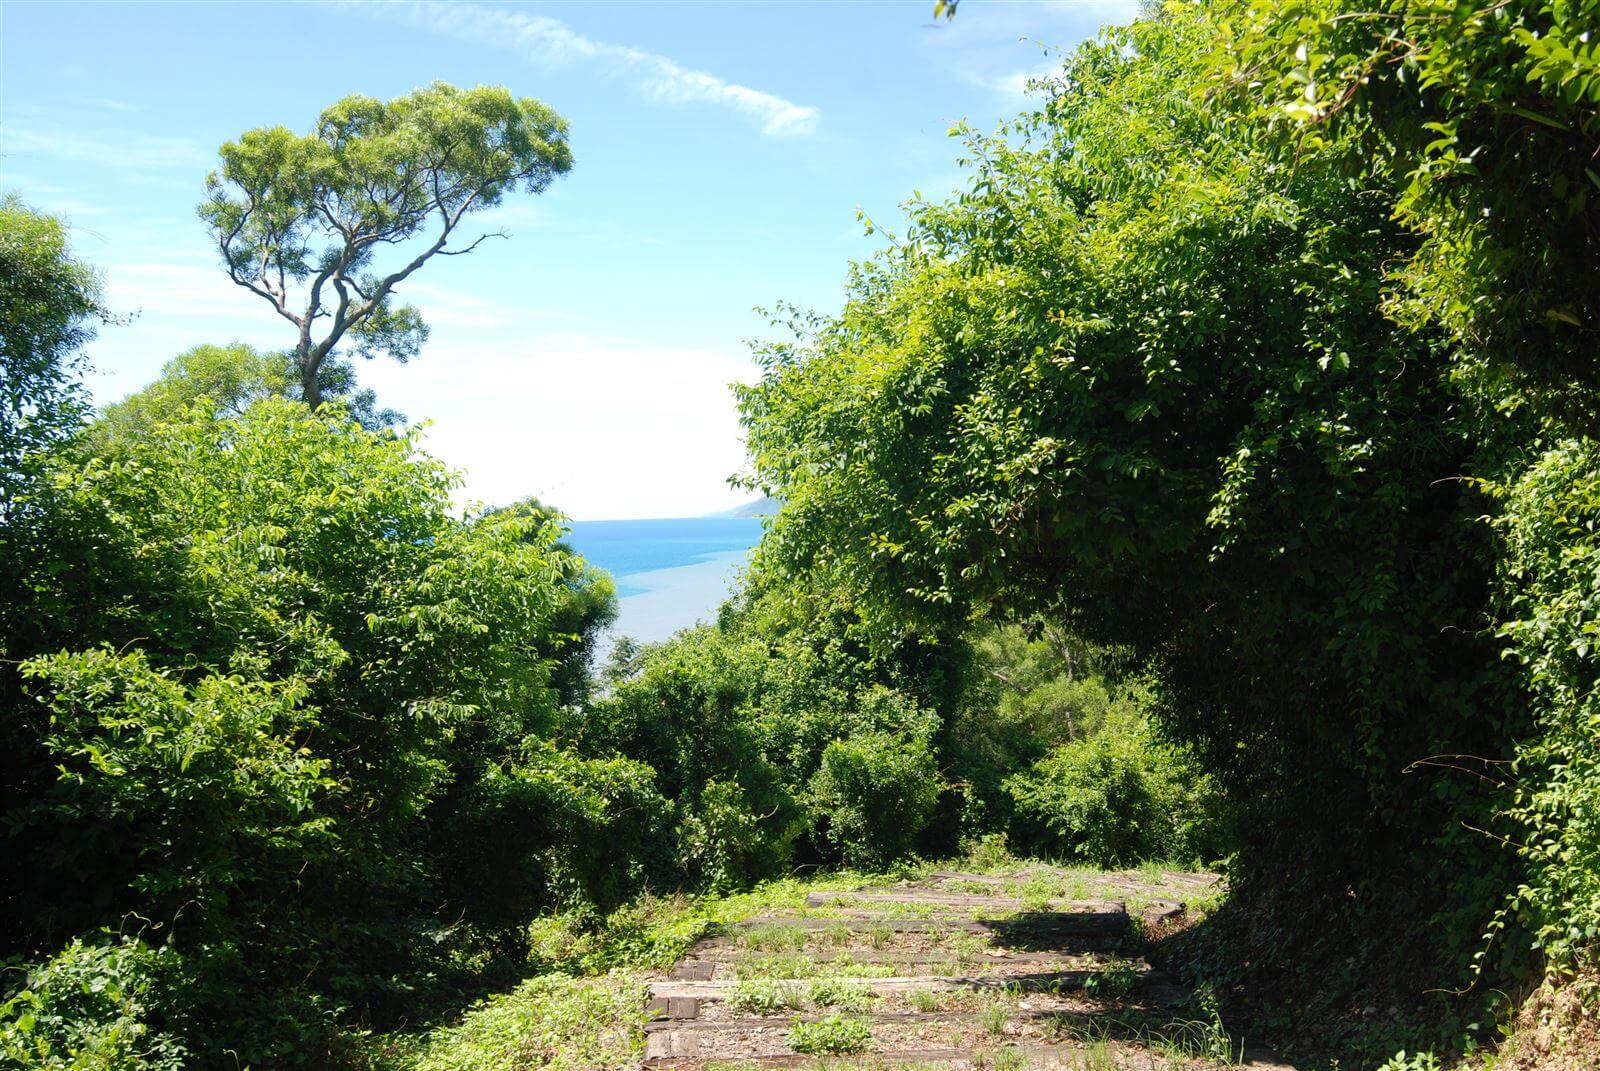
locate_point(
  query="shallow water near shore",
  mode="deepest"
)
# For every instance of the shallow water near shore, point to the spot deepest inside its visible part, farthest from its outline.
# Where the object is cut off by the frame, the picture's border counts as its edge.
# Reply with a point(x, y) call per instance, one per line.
point(671, 573)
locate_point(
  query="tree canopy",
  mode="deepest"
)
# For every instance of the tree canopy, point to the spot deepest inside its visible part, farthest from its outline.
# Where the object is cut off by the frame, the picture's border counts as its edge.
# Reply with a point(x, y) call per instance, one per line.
point(50, 304)
point(325, 226)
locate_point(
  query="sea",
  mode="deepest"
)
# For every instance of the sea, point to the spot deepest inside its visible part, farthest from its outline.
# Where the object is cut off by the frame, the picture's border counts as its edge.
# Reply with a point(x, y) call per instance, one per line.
point(671, 574)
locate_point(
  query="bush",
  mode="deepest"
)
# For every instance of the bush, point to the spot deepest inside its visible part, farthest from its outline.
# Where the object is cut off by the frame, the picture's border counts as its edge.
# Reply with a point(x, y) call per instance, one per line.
point(1116, 798)
point(195, 799)
point(524, 838)
point(722, 845)
point(1551, 577)
point(95, 1007)
point(872, 796)
point(325, 662)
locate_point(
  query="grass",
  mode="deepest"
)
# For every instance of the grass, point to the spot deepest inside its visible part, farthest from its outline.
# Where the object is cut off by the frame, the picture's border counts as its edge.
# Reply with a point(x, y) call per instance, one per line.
point(1007, 1060)
point(1178, 1042)
point(995, 1018)
point(773, 937)
point(554, 1023)
point(965, 946)
point(844, 965)
point(774, 965)
point(763, 996)
point(1097, 1056)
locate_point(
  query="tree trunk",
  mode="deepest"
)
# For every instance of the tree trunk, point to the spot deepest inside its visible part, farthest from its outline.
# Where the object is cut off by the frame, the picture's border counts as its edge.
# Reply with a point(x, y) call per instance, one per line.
point(309, 362)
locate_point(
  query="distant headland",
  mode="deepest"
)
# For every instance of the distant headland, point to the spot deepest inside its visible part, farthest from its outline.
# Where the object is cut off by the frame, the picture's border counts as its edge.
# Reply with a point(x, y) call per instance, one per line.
point(761, 507)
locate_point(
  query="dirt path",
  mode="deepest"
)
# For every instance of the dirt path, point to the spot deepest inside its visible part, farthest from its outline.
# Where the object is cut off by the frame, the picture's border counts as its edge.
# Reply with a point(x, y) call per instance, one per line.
point(1032, 970)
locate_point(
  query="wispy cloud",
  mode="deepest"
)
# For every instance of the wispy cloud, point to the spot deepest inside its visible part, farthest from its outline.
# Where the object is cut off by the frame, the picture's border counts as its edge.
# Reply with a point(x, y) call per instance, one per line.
point(545, 40)
point(24, 137)
point(1013, 86)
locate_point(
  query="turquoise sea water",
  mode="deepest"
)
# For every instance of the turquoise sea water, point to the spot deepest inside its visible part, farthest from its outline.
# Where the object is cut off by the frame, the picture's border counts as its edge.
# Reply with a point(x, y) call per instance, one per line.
point(670, 573)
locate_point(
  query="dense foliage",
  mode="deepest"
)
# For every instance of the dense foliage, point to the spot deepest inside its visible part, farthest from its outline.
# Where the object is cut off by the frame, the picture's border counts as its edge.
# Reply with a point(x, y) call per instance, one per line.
point(49, 305)
point(1221, 356)
point(281, 717)
point(1214, 476)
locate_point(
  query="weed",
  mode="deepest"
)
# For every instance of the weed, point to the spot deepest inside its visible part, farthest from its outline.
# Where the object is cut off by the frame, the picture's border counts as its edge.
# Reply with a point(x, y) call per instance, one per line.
point(1097, 1057)
point(925, 1001)
point(1039, 890)
point(988, 852)
point(877, 936)
point(968, 887)
point(775, 965)
point(1416, 1061)
point(1205, 1037)
point(1063, 1027)
point(765, 997)
point(841, 994)
point(964, 945)
point(1114, 980)
point(844, 965)
point(995, 1018)
point(833, 1035)
point(1007, 1059)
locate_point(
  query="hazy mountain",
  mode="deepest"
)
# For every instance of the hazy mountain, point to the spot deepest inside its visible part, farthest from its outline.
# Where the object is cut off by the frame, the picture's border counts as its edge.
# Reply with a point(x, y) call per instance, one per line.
point(761, 507)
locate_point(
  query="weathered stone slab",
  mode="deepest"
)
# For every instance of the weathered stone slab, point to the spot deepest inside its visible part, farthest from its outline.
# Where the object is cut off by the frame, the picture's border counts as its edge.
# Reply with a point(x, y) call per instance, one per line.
point(928, 897)
point(1157, 912)
point(720, 990)
point(673, 1006)
point(1094, 917)
point(695, 970)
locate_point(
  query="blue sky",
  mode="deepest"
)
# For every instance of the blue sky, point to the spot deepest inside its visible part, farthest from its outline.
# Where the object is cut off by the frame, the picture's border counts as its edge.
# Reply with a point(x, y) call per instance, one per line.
point(721, 153)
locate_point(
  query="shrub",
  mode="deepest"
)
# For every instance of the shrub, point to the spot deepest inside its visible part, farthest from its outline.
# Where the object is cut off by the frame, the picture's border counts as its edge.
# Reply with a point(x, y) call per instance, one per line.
point(524, 837)
point(326, 662)
point(872, 796)
point(175, 798)
point(1551, 578)
point(1116, 798)
point(95, 1007)
point(722, 845)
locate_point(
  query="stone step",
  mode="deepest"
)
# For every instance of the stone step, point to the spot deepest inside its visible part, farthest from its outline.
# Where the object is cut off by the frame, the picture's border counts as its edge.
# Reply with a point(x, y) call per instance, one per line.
point(1032, 1055)
point(1045, 943)
point(706, 957)
point(682, 990)
point(934, 899)
point(784, 1020)
point(1094, 918)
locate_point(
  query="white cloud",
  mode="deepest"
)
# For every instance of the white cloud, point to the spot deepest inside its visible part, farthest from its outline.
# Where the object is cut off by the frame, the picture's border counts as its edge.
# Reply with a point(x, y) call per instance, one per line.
point(599, 427)
point(545, 40)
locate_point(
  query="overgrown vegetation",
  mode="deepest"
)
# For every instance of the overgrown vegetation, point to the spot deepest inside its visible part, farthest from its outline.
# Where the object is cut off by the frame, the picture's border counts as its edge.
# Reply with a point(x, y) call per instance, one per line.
point(1222, 358)
point(1213, 478)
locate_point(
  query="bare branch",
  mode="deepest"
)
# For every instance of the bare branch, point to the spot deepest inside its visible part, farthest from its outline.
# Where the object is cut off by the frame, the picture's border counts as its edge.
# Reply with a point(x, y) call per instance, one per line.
point(474, 245)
